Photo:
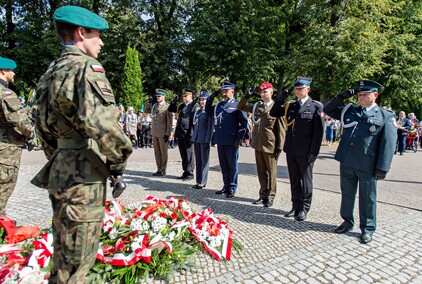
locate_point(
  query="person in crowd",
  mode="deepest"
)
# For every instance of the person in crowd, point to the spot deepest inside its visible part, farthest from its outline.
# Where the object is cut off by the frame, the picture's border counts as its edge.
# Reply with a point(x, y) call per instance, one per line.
point(329, 129)
point(184, 113)
point(132, 126)
point(15, 129)
point(229, 129)
point(145, 136)
point(160, 129)
point(77, 121)
point(403, 127)
point(172, 140)
point(139, 117)
point(122, 117)
point(336, 127)
point(303, 142)
point(203, 128)
point(268, 138)
point(365, 153)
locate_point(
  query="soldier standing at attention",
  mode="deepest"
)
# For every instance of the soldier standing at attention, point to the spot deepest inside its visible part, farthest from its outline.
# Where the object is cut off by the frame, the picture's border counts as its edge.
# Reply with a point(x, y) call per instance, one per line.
point(183, 133)
point(77, 124)
point(365, 153)
point(203, 128)
point(160, 129)
point(230, 127)
point(303, 142)
point(268, 138)
point(15, 129)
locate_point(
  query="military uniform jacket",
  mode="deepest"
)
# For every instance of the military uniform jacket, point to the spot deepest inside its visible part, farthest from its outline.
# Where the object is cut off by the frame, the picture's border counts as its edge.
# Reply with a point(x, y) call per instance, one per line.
point(15, 125)
point(229, 122)
point(203, 127)
point(161, 118)
point(268, 132)
point(76, 87)
point(184, 123)
point(304, 126)
point(369, 139)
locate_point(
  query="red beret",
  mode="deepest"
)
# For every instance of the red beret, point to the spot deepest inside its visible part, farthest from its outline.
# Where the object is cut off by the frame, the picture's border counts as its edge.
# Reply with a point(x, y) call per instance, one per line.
point(264, 86)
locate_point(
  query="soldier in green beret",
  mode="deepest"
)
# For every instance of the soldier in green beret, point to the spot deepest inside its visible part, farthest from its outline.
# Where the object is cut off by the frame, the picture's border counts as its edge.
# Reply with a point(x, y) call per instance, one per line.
point(15, 129)
point(78, 124)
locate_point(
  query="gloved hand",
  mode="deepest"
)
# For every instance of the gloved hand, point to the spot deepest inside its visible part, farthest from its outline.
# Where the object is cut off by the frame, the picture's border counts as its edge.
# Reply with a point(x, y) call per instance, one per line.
point(249, 93)
point(347, 94)
point(277, 153)
point(380, 175)
point(284, 94)
point(214, 94)
point(166, 138)
point(236, 143)
point(175, 99)
point(311, 158)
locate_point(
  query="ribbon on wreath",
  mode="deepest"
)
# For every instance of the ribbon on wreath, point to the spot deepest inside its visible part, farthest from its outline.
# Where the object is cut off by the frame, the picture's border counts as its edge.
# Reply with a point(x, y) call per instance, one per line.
point(43, 250)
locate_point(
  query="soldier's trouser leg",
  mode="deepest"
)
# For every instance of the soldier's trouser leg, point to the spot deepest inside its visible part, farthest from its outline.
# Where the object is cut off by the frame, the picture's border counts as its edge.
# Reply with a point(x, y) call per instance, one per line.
point(262, 171)
point(77, 218)
point(367, 202)
point(8, 178)
point(348, 185)
point(222, 159)
point(232, 154)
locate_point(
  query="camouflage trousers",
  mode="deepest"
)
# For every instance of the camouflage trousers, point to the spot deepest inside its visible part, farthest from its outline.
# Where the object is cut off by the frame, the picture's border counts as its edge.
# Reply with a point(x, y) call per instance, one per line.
point(8, 178)
point(77, 218)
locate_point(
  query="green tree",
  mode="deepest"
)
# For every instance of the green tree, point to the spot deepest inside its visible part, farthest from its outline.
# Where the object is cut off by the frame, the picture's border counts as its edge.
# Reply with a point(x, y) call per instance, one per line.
point(132, 90)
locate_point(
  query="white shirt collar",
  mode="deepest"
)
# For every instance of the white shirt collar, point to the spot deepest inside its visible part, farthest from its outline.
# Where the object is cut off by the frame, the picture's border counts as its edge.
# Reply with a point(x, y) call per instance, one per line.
point(370, 107)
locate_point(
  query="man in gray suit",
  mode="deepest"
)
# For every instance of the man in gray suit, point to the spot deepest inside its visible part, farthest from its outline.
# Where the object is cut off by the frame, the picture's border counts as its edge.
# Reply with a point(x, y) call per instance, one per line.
point(267, 139)
point(160, 129)
point(365, 153)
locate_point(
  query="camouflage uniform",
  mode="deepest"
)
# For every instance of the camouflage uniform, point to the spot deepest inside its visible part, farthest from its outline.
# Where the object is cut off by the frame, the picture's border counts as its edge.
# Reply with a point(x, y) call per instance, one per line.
point(15, 128)
point(75, 86)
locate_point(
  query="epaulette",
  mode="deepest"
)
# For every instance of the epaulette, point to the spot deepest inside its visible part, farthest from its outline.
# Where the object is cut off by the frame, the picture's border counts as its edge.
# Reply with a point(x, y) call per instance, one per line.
point(318, 103)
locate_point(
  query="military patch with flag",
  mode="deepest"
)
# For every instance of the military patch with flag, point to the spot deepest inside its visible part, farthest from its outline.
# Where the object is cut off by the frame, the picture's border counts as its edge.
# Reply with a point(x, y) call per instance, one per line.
point(97, 68)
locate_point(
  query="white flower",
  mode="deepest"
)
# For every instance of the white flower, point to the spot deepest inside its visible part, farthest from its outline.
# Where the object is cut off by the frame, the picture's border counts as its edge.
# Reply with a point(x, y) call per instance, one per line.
point(113, 233)
point(158, 224)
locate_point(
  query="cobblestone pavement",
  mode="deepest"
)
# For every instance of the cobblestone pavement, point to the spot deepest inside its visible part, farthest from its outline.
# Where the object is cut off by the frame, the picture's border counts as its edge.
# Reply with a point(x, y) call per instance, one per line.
point(276, 249)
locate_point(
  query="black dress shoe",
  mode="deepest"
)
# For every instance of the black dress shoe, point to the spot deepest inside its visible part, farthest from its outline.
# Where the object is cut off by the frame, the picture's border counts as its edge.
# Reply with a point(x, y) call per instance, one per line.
point(291, 213)
point(230, 193)
point(159, 174)
point(188, 177)
point(268, 203)
point(258, 201)
point(342, 229)
point(182, 176)
point(199, 186)
point(224, 190)
point(156, 173)
point(301, 216)
point(365, 238)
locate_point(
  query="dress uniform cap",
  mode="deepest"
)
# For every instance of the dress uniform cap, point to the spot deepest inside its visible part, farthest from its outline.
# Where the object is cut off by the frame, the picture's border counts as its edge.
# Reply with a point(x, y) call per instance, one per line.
point(368, 86)
point(227, 86)
point(160, 92)
point(204, 95)
point(264, 86)
point(80, 17)
point(187, 92)
point(302, 81)
point(6, 63)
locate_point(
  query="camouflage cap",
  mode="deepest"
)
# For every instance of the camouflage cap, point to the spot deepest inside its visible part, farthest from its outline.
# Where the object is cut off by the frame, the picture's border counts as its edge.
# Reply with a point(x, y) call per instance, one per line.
point(6, 63)
point(80, 17)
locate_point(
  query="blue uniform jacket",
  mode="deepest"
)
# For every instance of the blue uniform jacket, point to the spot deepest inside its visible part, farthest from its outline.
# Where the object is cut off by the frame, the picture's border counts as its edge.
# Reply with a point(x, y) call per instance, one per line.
point(369, 145)
point(203, 127)
point(229, 122)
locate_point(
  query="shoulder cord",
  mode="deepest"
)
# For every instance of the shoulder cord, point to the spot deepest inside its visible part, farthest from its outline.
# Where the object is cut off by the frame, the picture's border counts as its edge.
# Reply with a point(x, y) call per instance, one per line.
point(219, 116)
point(153, 114)
point(286, 108)
point(196, 116)
point(343, 125)
point(255, 121)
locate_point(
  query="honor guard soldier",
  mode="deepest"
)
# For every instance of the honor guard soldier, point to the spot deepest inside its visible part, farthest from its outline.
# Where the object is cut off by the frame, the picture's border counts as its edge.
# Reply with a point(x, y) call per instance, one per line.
point(15, 129)
point(203, 128)
point(303, 142)
point(183, 133)
point(229, 128)
point(268, 139)
point(365, 153)
point(78, 128)
point(160, 129)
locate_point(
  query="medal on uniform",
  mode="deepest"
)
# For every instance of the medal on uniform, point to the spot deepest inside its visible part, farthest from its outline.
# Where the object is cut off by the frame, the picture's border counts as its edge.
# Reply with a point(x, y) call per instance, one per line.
point(372, 128)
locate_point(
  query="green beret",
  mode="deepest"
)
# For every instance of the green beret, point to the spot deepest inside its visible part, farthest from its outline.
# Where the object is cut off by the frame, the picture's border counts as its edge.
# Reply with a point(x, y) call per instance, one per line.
point(80, 17)
point(6, 63)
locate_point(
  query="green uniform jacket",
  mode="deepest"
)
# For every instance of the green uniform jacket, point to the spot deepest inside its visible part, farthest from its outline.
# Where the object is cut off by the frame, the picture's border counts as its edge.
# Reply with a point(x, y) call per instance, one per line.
point(369, 145)
point(75, 85)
